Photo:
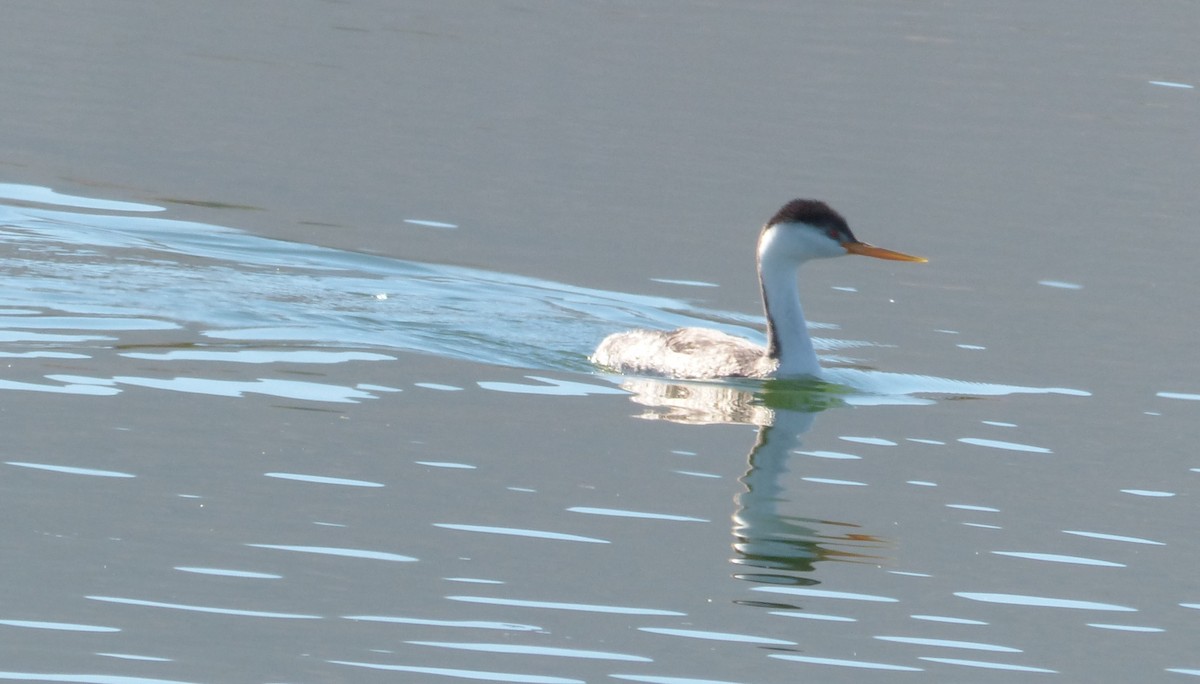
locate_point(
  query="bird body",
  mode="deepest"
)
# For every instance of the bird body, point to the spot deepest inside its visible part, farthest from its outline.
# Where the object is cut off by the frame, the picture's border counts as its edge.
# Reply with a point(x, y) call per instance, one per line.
point(684, 353)
point(800, 231)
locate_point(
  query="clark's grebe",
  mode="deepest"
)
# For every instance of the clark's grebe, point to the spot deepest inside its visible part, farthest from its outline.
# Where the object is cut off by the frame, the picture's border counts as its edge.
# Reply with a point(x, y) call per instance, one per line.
point(800, 231)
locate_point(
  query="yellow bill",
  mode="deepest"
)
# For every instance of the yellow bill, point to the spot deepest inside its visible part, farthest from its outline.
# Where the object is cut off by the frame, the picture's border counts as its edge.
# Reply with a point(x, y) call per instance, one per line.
point(863, 249)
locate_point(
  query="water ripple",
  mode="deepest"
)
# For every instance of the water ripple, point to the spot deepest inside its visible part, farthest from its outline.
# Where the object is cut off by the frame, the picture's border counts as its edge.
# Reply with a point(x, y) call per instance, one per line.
point(556, 605)
point(950, 643)
point(59, 626)
point(717, 636)
point(1041, 601)
point(86, 678)
point(1059, 558)
point(813, 616)
point(321, 479)
point(1114, 537)
point(620, 513)
point(1008, 446)
point(653, 679)
point(221, 572)
point(826, 593)
point(988, 665)
point(468, 624)
point(519, 532)
point(1126, 628)
point(463, 674)
point(70, 470)
point(535, 650)
point(337, 551)
point(203, 609)
point(841, 662)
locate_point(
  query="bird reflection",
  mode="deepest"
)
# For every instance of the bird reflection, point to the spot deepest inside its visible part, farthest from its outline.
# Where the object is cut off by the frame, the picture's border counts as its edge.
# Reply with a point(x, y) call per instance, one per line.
point(775, 547)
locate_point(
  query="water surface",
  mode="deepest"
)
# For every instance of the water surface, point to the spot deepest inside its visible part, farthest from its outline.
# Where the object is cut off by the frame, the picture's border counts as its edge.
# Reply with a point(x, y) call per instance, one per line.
point(296, 310)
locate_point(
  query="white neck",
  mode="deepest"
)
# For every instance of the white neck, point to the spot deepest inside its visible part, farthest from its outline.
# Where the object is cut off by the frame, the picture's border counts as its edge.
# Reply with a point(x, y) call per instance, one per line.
point(787, 332)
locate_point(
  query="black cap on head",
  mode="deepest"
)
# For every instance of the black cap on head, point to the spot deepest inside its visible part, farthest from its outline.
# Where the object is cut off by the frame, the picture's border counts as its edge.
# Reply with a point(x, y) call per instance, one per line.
point(814, 213)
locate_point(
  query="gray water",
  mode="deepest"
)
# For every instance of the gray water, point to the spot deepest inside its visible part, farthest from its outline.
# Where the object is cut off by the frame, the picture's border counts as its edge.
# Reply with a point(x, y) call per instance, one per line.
point(295, 305)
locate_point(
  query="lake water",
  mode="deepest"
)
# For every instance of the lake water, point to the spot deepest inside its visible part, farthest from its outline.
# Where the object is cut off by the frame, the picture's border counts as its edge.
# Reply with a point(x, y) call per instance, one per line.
point(296, 300)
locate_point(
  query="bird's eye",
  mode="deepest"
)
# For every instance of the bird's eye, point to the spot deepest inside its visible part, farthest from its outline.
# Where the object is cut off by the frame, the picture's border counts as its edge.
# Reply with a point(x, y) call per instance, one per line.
point(833, 234)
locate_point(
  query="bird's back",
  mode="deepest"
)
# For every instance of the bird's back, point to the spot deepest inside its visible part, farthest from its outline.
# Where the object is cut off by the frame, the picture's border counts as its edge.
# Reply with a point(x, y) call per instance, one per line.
point(684, 353)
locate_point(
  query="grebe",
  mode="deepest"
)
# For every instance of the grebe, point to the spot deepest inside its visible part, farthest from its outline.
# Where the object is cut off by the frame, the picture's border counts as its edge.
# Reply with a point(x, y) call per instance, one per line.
point(800, 231)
